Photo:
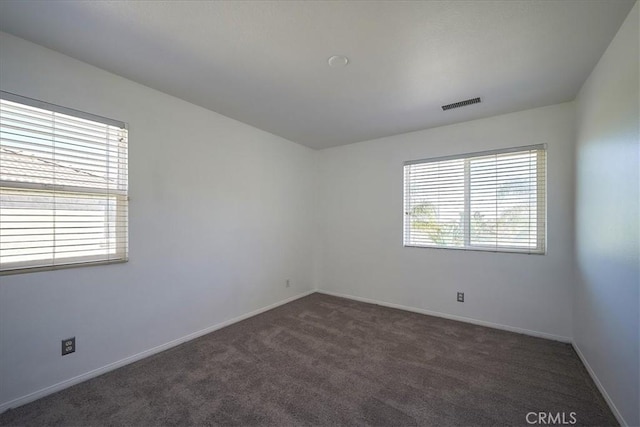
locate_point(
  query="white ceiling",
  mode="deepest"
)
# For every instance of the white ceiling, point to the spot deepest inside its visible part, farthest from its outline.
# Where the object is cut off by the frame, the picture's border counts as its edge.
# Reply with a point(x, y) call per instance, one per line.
point(265, 63)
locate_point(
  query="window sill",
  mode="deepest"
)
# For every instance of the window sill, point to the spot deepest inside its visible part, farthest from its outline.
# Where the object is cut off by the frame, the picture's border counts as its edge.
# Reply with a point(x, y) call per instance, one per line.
point(476, 249)
point(24, 270)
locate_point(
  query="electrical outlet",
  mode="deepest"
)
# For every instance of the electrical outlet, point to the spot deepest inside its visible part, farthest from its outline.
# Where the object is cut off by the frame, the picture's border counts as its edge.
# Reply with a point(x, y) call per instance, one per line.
point(460, 296)
point(288, 284)
point(69, 346)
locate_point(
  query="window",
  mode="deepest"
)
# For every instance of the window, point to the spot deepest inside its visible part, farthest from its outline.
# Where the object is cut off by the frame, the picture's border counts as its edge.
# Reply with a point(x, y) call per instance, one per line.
point(493, 201)
point(63, 187)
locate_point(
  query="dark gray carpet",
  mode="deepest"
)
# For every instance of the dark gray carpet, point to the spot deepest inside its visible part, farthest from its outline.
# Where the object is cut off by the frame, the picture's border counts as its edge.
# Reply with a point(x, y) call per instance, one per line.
point(323, 360)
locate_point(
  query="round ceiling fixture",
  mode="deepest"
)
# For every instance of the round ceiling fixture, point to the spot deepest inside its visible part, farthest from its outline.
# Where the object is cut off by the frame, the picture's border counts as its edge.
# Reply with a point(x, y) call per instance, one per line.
point(338, 61)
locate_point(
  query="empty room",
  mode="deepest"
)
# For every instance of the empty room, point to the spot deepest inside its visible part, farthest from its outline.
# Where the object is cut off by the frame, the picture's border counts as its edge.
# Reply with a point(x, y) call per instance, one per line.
point(320, 213)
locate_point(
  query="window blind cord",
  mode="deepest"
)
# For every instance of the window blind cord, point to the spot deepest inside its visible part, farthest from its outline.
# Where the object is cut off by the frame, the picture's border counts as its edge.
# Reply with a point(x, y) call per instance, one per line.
point(55, 200)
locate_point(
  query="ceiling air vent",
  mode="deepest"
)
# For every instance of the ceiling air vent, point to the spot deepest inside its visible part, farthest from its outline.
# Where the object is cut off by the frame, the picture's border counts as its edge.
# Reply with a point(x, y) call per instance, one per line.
point(460, 104)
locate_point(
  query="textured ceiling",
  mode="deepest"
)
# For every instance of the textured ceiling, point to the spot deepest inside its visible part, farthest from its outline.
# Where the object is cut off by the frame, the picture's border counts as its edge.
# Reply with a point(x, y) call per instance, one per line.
point(264, 63)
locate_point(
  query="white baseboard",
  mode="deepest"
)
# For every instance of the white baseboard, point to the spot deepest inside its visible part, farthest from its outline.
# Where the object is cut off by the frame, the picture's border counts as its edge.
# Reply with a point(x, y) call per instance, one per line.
point(595, 379)
point(452, 317)
point(127, 360)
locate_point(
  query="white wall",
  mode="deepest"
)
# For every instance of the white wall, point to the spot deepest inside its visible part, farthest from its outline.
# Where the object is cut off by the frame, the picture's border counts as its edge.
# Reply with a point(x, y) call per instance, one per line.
point(221, 214)
point(606, 320)
point(361, 227)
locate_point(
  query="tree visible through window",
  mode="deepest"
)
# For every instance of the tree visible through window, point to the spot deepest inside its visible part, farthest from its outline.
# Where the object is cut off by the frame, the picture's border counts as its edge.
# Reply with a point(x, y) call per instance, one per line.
point(63, 186)
point(487, 201)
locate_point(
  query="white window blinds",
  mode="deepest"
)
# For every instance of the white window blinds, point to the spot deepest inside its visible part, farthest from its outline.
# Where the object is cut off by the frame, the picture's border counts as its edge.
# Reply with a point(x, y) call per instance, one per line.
point(494, 201)
point(63, 187)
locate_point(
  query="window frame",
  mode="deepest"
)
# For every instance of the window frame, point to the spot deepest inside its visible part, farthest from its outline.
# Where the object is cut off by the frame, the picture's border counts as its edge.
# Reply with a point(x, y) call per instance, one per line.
point(541, 223)
point(121, 197)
